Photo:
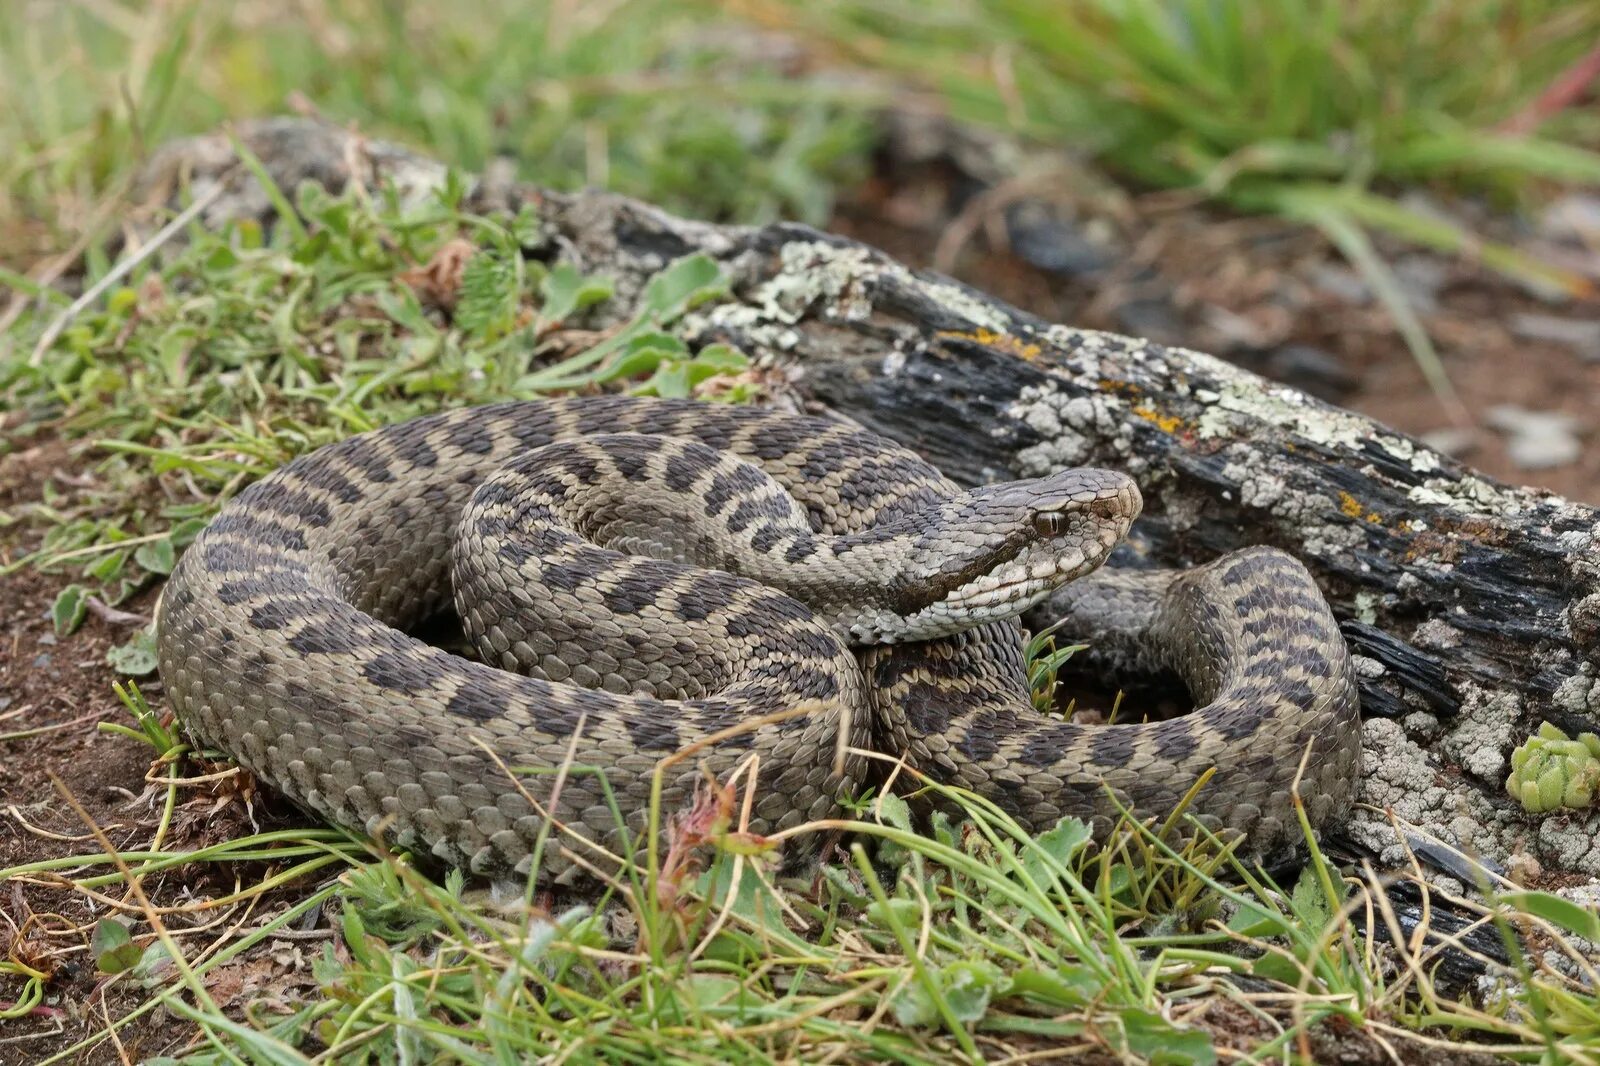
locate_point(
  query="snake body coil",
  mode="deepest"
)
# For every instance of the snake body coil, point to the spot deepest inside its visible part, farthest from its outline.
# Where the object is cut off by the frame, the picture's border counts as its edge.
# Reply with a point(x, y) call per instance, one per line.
point(591, 547)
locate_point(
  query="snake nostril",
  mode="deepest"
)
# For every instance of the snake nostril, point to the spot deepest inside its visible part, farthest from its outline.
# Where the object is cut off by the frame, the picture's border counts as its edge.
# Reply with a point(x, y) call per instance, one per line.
point(1111, 509)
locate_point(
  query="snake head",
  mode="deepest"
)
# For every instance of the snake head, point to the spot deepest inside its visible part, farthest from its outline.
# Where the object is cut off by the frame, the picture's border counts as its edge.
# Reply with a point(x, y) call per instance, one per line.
point(993, 552)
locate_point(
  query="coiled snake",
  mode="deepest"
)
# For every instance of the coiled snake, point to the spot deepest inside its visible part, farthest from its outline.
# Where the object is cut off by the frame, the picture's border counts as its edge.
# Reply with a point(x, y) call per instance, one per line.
point(591, 544)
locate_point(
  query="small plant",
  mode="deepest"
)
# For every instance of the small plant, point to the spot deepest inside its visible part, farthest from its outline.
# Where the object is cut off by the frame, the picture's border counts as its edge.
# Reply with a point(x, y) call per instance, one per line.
point(1551, 770)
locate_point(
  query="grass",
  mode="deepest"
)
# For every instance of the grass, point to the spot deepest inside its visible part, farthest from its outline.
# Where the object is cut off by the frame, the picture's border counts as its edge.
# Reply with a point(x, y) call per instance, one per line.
point(201, 371)
point(182, 375)
point(644, 96)
point(971, 940)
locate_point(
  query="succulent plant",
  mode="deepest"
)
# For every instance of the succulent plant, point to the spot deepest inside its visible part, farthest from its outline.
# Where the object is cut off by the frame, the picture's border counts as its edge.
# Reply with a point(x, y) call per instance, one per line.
point(1552, 770)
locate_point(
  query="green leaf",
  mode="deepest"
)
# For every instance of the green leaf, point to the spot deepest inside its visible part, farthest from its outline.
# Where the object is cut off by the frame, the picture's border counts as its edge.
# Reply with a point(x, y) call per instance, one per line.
point(1152, 1037)
point(713, 990)
point(137, 657)
point(721, 357)
point(565, 291)
point(113, 946)
point(904, 912)
point(154, 967)
point(156, 556)
point(913, 1007)
point(108, 567)
point(968, 987)
point(893, 810)
point(1308, 901)
point(70, 609)
point(1254, 920)
point(686, 284)
point(1054, 848)
point(1562, 913)
point(1275, 967)
point(1068, 986)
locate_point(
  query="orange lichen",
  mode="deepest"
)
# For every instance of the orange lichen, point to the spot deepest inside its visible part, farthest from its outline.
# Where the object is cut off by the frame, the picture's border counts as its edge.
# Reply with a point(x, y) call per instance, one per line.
point(1167, 423)
point(1351, 507)
point(1003, 342)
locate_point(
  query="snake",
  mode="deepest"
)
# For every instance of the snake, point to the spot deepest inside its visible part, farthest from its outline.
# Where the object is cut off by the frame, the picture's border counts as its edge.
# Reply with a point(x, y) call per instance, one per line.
point(655, 593)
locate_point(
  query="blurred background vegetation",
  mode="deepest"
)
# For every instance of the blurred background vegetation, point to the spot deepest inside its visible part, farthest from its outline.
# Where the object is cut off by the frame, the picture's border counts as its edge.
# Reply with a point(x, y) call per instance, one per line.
point(752, 109)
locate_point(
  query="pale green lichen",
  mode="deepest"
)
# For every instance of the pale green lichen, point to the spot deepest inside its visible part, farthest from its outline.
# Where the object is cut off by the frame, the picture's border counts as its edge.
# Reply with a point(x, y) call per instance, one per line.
point(1552, 770)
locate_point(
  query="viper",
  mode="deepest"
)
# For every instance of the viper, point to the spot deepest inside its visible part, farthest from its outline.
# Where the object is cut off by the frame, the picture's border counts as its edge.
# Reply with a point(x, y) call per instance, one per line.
point(638, 578)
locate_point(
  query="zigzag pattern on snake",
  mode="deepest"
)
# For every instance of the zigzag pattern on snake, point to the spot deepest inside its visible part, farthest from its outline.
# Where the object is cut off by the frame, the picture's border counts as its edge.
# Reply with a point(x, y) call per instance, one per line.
point(595, 543)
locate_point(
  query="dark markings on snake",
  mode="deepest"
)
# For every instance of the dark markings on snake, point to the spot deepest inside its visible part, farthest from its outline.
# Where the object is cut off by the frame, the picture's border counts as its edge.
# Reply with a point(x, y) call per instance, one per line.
point(651, 733)
point(770, 447)
point(687, 467)
point(636, 591)
point(1111, 745)
point(712, 591)
point(472, 436)
point(898, 662)
point(405, 671)
point(329, 480)
point(560, 577)
point(600, 418)
point(264, 531)
point(532, 430)
point(545, 538)
point(239, 590)
point(1251, 566)
point(496, 492)
point(767, 537)
point(329, 636)
point(1236, 722)
point(1296, 692)
point(255, 669)
point(742, 479)
point(812, 683)
point(229, 557)
point(1045, 744)
point(1261, 626)
point(747, 512)
point(360, 453)
point(878, 533)
point(762, 618)
point(275, 614)
point(716, 437)
point(415, 449)
point(803, 548)
point(585, 469)
point(981, 738)
point(929, 710)
point(1175, 743)
point(478, 702)
point(632, 465)
point(515, 552)
point(718, 494)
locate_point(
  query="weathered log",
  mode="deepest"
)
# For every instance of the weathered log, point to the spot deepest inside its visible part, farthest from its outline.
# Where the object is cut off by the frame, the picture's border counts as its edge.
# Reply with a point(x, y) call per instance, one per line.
point(1473, 607)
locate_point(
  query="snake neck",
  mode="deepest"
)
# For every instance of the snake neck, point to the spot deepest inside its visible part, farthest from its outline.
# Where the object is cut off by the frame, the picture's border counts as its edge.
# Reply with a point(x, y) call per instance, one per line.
point(866, 585)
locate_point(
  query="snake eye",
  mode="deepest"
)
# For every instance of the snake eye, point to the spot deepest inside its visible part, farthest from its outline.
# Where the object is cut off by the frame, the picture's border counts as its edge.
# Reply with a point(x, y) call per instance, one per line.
point(1049, 523)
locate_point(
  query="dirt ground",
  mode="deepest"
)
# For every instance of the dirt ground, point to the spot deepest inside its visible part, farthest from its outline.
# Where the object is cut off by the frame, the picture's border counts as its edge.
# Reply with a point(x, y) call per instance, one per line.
point(1249, 289)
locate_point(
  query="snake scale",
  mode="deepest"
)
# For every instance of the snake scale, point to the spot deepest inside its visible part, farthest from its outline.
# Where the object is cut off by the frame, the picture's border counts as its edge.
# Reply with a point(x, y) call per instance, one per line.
point(638, 576)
